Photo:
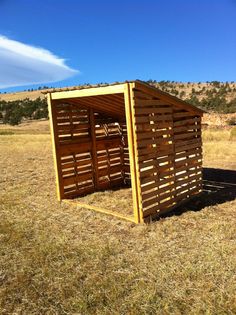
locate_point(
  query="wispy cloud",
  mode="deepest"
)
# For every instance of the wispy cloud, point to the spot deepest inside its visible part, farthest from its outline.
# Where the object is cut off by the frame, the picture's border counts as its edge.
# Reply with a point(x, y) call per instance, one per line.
point(22, 64)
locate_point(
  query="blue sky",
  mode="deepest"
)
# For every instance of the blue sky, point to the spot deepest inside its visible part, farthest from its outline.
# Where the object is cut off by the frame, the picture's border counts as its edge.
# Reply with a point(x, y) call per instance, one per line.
point(108, 41)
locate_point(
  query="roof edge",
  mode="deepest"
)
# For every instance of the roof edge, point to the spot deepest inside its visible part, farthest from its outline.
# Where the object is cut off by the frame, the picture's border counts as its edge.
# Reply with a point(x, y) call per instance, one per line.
point(171, 97)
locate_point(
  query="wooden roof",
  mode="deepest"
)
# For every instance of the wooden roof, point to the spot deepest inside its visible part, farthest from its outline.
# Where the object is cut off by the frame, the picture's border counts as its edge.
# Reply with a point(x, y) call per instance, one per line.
point(110, 97)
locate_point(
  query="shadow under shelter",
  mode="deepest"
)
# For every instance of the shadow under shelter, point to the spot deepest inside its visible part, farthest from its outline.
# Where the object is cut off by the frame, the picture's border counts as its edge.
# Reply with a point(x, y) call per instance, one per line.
point(219, 186)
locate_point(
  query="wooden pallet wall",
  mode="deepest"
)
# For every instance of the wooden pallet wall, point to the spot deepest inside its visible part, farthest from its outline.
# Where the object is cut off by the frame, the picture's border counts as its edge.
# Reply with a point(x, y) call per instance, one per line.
point(126, 160)
point(168, 152)
point(73, 149)
point(110, 151)
point(91, 149)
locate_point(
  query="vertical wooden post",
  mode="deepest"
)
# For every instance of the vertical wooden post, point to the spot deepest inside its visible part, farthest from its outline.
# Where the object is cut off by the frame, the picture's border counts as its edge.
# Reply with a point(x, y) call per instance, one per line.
point(122, 152)
point(94, 148)
point(55, 144)
point(137, 168)
point(132, 155)
point(201, 182)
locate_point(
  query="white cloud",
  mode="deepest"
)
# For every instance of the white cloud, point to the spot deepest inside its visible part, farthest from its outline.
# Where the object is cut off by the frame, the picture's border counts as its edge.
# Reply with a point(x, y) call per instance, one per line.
point(22, 64)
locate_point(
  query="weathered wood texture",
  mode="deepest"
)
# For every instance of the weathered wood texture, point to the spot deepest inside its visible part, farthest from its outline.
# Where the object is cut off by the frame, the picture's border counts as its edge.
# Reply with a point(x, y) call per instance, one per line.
point(136, 134)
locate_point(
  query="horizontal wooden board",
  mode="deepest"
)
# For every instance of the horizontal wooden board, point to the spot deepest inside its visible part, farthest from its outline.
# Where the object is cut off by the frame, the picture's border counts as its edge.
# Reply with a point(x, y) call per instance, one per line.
point(109, 170)
point(145, 102)
point(178, 129)
point(156, 118)
point(187, 121)
point(74, 148)
point(158, 141)
point(79, 178)
point(142, 127)
point(152, 110)
point(187, 135)
point(195, 145)
point(152, 134)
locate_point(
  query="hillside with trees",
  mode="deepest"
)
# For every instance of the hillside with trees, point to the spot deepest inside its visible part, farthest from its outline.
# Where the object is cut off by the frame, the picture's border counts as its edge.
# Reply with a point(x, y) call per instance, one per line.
point(14, 112)
point(213, 97)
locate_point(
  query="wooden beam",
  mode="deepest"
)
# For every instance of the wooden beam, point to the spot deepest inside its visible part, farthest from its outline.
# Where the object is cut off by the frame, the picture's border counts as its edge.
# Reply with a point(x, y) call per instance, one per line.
point(55, 144)
point(131, 144)
point(111, 89)
point(135, 150)
point(98, 209)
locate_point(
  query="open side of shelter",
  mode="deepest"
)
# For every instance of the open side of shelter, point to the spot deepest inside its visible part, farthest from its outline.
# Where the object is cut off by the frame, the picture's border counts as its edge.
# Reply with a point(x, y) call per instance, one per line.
point(129, 133)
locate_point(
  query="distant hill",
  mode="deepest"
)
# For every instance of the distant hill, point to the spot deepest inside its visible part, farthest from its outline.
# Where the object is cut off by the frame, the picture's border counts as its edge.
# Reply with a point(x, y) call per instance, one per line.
point(32, 95)
point(213, 97)
point(179, 89)
point(201, 90)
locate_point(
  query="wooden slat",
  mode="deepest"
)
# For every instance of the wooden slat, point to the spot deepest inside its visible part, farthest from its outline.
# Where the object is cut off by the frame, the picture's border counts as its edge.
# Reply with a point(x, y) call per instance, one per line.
point(183, 114)
point(156, 154)
point(178, 129)
point(159, 150)
point(150, 110)
point(186, 122)
point(146, 119)
point(196, 145)
point(73, 127)
point(147, 127)
point(69, 194)
point(145, 143)
point(153, 134)
point(158, 208)
point(193, 178)
point(146, 103)
point(68, 149)
point(110, 171)
point(119, 88)
point(188, 153)
point(187, 174)
point(187, 135)
point(81, 178)
point(188, 161)
point(155, 162)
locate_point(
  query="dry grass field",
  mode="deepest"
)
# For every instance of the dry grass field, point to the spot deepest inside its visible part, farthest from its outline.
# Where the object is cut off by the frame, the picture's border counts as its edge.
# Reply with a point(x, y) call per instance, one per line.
point(58, 259)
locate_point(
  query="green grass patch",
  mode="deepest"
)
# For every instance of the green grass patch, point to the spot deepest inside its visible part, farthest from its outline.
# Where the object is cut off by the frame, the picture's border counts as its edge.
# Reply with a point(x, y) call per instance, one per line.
point(6, 133)
point(233, 133)
point(212, 134)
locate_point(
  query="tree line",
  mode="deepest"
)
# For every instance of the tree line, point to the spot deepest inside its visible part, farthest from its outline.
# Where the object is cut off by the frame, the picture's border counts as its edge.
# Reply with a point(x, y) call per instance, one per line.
point(13, 112)
point(212, 98)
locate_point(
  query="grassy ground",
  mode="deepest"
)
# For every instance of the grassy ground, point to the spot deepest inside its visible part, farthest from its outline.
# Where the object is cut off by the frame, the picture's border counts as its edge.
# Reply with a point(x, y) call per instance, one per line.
point(55, 259)
point(27, 127)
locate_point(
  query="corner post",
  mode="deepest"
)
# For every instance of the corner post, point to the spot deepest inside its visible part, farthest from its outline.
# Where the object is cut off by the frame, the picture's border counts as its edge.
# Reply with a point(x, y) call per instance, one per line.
point(132, 143)
point(54, 140)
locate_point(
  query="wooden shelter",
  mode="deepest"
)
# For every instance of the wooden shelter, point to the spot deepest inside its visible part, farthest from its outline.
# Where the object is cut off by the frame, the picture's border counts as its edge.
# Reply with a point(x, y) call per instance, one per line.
point(108, 136)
